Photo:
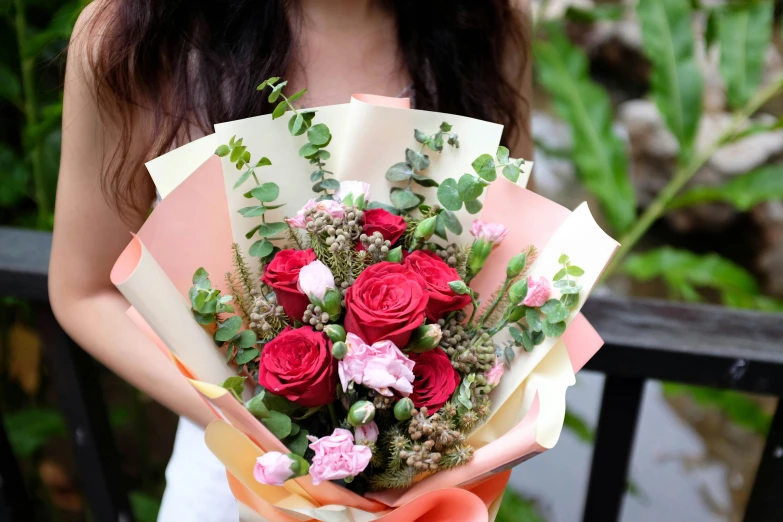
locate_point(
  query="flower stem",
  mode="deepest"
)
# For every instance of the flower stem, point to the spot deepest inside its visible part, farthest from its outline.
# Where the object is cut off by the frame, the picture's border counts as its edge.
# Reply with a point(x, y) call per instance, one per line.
point(685, 173)
point(495, 302)
point(333, 415)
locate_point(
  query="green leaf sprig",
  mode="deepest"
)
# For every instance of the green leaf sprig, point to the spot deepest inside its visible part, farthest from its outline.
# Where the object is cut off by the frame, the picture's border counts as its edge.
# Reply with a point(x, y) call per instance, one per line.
point(265, 193)
point(318, 135)
point(207, 304)
point(452, 194)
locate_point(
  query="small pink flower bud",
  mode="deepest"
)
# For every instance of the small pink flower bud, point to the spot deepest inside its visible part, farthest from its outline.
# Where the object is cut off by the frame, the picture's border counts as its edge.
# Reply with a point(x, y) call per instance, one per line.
point(538, 292)
point(273, 468)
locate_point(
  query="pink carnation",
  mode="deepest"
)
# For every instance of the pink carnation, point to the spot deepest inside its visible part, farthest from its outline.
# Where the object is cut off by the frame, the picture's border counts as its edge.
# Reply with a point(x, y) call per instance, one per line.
point(489, 232)
point(381, 366)
point(494, 374)
point(337, 457)
point(333, 208)
point(538, 291)
point(366, 433)
point(273, 468)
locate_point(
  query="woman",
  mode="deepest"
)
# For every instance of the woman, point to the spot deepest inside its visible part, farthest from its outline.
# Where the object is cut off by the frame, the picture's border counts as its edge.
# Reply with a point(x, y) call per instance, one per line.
point(145, 76)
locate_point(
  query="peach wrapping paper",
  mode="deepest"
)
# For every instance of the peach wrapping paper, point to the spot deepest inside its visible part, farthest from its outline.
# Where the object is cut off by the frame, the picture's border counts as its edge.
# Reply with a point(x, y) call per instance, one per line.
point(527, 419)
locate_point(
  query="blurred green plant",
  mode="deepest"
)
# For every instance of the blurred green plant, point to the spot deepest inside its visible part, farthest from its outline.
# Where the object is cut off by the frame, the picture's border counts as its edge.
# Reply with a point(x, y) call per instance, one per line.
point(742, 30)
point(30, 166)
point(516, 508)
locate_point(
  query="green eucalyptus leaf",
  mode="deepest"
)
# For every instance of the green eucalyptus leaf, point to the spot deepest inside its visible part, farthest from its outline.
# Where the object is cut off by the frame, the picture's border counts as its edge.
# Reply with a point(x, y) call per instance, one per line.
point(261, 248)
point(204, 319)
point(538, 337)
point(424, 181)
point(484, 166)
point(252, 231)
point(600, 157)
point(295, 96)
point(384, 206)
point(296, 125)
point(570, 300)
point(250, 212)
point(575, 271)
point(677, 85)
point(560, 275)
point(275, 94)
point(533, 319)
point(322, 155)
point(223, 151)
point(440, 226)
point(404, 199)
point(264, 162)
point(451, 222)
point(266, 192)
point(527, 341)
point(243, 177)
point(744, 31)
point(201, 278)
point(246, 356)
point(278, 423)
point(742, 192)
point(257, 407)
point(555, 311)
point(399, 172)
point(516, 333)
point(563, 259)
point(308, 150)
point(418, 160)
point(247, 338)
point(330, 184)
point(420, 136)
point(317, 175)
point(235, 385)
point(553, 329)
point(319, 135)
point(511, 173)
point(502, 155)
point(272, 229)
point(445, 127)
point(448, 195)
point(299, 444)
point(237, 152)
point(473, 206)
point(280, 110)
point(228, 329)
point(469, 187)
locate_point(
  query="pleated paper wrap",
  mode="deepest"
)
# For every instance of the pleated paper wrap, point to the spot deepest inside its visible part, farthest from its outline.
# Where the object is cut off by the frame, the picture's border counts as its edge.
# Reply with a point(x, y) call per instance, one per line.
point(196, 222)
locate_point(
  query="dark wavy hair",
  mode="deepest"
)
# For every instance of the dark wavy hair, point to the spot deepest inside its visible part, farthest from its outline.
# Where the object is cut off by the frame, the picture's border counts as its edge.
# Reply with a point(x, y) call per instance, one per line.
point(463, 57)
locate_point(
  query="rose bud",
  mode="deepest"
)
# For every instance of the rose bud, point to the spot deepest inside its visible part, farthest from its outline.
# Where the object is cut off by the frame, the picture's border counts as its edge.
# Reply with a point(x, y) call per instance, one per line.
point(361, 413)
point(339, 350)
point(424, 338)
point(516, 265)
point(353, 193)
point(425, 229)
point(395, 255)
point(517, 292)
point(488, 235)
point(315, 279)
point(458, 287)
point(335, 332)
point(273, 468)
point(332, 303)
point(403, 408)
point(366, 434)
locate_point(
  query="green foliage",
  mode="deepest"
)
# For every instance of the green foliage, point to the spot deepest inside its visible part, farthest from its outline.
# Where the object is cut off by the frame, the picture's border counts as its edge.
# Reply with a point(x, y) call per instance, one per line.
point(515, 508)
point(667, 37)
point(599, 155)
point(579, 427)
point(145, 507)
point(597, 13)
point(737, 407)
point(30, 429)
point(685, 272)
point(744, 32)
point(743, 192)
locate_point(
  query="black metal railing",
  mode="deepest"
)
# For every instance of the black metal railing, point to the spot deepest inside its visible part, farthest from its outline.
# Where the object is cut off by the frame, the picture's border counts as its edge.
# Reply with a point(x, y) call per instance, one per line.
point(645, 339)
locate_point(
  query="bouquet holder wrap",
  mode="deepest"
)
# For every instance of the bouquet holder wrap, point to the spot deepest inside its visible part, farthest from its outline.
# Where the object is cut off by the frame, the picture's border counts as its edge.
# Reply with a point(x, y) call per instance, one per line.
point(196, 223)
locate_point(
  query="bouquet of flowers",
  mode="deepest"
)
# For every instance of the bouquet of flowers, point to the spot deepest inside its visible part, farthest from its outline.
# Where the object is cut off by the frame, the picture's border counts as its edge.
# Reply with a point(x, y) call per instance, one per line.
point(368, 351)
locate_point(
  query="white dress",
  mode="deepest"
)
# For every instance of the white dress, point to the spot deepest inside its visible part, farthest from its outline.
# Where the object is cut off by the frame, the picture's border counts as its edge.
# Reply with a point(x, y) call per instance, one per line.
point(196, 485)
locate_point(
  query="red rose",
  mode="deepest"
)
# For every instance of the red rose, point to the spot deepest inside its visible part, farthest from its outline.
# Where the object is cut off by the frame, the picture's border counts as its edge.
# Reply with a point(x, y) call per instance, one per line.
point(390, 226)
point(434, 379)
point(298, 365)
point(437, 275)
point(282, 275)
point(386, 302)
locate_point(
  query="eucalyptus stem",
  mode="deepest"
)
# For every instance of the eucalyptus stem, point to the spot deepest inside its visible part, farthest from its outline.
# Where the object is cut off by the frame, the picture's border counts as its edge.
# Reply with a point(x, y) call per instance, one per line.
point(495, 302)
point(31, 113)
point(475, 307)
point(686, 172)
